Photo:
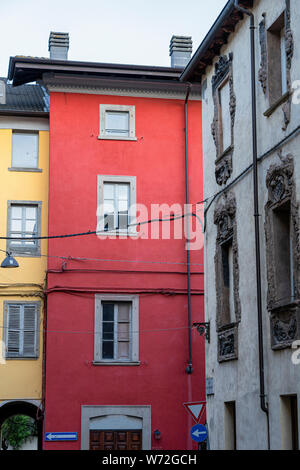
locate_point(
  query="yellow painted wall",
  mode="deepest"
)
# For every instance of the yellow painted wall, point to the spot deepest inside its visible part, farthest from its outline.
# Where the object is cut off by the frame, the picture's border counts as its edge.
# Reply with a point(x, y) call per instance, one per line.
point(22, 378)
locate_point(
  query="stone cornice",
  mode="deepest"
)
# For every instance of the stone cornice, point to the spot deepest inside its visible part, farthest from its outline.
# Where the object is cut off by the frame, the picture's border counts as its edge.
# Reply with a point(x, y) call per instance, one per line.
point(105, 86)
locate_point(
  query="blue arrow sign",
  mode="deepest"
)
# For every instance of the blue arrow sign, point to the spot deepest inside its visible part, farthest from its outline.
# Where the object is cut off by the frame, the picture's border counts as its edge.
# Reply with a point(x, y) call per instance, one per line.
point(199, 433)
point(60, 436)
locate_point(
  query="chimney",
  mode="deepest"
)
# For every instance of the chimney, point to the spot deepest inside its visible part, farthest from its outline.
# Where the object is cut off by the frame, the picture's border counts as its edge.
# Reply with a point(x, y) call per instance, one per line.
point(2, 91)
point(180, 51)
point(58, 45)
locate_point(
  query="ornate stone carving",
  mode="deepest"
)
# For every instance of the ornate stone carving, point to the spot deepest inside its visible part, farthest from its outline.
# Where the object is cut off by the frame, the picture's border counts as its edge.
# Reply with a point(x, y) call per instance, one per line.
point(285, 327)
point(223, 69)
point(224, 219)
point(289, 50)
point(228, 344)
point(223, 169)
point(284, 312)
point(279, 180)
point(263, 71)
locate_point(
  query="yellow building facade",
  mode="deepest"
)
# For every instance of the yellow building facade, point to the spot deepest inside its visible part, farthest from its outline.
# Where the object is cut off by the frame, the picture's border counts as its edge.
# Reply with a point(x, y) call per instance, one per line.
point(24, 176)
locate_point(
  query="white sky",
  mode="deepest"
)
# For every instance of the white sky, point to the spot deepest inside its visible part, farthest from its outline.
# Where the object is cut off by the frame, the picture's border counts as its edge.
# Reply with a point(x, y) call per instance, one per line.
point(115, 31)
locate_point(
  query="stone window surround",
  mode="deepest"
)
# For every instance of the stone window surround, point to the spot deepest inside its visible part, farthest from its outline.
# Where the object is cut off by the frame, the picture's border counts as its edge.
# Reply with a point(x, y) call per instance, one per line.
point(6, 304)
point(285, 314)
point(122, 108)
point(101, 179)
point(224, 218)
point(36, 252)
point(263, 74)
point(134, 327)
point(223, 73)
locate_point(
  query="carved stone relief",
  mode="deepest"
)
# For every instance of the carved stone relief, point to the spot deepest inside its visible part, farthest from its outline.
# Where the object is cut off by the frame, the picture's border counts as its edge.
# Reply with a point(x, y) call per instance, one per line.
point(263, 71)
point(284, 313)
point(289, 50)
point(223, 69)
point(225, 220)
point(228, 344)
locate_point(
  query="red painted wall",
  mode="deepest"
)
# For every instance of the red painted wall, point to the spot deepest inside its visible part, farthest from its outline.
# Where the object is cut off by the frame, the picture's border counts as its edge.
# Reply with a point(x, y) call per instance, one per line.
point(157, 159)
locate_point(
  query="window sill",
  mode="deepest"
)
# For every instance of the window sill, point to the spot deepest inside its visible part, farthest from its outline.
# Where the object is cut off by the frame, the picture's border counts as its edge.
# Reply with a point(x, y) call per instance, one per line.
point(104, 233)
point(21, 358)
point(34, 170)
point(284, 305)
point(21, 254)
point(116, 363)
point(224, 154)
point(114, 137)
point(277, 103)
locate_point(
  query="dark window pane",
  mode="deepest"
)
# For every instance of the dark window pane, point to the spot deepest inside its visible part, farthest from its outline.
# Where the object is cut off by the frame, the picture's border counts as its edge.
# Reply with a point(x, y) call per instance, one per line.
point(108, 312)
point(108, 331)
point(108, 350)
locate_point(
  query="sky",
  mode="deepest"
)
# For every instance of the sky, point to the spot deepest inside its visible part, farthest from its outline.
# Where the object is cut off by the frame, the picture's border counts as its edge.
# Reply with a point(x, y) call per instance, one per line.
point(115, 31)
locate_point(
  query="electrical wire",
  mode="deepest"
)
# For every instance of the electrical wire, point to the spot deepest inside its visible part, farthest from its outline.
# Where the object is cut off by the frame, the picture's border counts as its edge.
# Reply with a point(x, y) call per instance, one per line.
point(90, 332)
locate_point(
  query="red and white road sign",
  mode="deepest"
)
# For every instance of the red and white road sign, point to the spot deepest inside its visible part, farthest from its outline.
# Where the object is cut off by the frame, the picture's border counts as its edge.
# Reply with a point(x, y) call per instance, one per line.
point(196, 409)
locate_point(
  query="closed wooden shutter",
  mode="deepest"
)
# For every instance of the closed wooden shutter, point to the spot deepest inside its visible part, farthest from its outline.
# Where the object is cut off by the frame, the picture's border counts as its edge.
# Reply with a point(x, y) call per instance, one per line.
point(13, 330)
point(22, 334)
point(29, 332)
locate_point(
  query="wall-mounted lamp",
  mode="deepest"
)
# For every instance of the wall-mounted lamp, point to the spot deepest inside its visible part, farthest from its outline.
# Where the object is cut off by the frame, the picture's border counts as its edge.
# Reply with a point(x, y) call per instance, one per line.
point(9, 261)
point(203, 328)
point(157, 434)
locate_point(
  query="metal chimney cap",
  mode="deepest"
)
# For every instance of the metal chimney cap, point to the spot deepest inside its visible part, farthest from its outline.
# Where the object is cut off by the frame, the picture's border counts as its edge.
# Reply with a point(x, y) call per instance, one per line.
point(58, 45)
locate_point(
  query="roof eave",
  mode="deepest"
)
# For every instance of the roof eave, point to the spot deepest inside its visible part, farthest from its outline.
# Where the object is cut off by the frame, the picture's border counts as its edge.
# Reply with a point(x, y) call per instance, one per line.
point(23, 70)
point(214, 40)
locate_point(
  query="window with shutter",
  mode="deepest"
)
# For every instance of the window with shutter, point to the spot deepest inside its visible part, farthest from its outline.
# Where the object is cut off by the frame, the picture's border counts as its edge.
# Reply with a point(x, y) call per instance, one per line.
point(116, 329)
point(22, 329)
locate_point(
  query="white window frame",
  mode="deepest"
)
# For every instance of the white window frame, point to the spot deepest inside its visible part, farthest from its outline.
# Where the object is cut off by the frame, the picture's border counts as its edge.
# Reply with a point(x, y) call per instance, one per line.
point(131, 180)
point(24, 167)
point(21, 354)
point(134, 329)
point(104, 108)
point(34, 250)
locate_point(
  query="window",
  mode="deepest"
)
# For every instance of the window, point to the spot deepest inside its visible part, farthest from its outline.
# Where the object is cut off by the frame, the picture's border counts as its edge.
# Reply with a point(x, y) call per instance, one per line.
point(277, 63)
point(116, 204)
point(230, 425)
point(22, 329)
point(283, 251)
point(116, 329)
point(25, 149)
point(289, 422)
point(222, 127)
point(228, 314)
point(23, 221)
point(228, 283)
point(117, 122)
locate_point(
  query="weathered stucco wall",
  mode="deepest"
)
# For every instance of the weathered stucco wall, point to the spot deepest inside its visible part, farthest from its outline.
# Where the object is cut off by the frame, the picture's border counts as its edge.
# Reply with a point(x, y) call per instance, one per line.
point(238, 380)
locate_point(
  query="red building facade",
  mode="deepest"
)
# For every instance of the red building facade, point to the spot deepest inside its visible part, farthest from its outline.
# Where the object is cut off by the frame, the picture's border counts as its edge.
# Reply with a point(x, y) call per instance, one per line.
point(121, 356)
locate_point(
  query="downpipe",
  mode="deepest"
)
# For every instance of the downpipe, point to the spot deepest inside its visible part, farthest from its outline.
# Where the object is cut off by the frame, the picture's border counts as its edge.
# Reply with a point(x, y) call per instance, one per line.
point(263, 403)
point(189, 369)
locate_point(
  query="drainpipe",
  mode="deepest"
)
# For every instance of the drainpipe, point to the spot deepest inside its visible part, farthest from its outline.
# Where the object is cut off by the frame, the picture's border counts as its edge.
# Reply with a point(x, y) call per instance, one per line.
point(263, 403)
point(189, 369)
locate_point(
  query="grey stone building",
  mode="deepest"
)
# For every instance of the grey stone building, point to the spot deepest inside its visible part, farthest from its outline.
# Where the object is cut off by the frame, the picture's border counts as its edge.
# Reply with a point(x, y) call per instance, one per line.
point(251, 158)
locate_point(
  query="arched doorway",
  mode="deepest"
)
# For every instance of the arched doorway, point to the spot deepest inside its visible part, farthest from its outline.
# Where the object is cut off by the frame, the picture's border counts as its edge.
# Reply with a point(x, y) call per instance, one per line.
point(23, 407)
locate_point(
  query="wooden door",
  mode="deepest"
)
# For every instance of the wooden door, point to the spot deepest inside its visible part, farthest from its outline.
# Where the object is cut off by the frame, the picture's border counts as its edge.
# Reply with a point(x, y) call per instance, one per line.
point(116, 440)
